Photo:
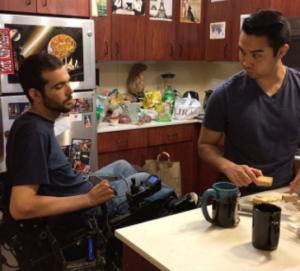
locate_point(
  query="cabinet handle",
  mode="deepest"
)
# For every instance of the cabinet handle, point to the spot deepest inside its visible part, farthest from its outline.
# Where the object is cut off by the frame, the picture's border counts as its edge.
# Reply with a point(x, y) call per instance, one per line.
point(28, 2)
point(225, 50)
point(153, 155)
point(171, 53)
point(180, 50)
point(106, 48)
point(121, 141)
point(118, 49)
point(172, 135)
point(44, 3)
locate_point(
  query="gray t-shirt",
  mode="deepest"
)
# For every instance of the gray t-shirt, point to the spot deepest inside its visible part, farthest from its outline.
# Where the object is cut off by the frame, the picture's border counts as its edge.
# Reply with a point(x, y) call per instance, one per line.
point(260, 131)
point(35, 157)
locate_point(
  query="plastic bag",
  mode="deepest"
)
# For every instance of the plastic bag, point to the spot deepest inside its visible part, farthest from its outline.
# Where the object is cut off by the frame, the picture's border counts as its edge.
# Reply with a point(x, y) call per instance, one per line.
point(186, 108)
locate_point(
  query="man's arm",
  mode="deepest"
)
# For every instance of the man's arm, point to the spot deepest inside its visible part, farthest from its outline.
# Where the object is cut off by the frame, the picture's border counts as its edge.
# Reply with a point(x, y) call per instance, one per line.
point(25, 203)
point(242, 175)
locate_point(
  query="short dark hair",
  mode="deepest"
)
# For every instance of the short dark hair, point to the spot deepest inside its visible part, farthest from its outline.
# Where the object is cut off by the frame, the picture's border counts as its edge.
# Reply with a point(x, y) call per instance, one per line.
point(271, 24)
point(31, 72)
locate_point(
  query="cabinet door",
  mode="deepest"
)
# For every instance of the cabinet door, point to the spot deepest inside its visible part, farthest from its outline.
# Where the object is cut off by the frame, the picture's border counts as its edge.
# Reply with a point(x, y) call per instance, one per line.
point(134, 156)
point(218, 49)
point(240, 8)
point(160, 36)
point(128, 37)
point(287, 8)
point(103, 35)
point(28, 6)
point(77, 8)
point(190, 38)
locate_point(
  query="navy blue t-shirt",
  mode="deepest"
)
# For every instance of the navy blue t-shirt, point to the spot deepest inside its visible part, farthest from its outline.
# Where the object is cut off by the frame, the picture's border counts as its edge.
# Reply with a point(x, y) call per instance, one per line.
point(35, 157)
point(260, 131)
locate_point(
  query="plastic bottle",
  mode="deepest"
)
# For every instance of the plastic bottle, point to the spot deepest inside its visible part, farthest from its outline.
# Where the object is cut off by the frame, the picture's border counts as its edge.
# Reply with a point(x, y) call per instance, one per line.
point(169, 98)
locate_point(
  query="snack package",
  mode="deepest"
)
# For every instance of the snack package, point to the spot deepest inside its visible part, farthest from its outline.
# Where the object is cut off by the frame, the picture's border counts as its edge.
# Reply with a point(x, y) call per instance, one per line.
point(115, 97)
point(148, 99)
point(156, 97)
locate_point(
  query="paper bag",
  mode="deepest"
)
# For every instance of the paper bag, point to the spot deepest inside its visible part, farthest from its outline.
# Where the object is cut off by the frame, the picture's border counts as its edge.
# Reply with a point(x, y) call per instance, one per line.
point(169, 172)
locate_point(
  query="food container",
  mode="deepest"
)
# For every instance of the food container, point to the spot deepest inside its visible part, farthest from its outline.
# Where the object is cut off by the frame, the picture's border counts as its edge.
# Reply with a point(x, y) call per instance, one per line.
point(114, 121)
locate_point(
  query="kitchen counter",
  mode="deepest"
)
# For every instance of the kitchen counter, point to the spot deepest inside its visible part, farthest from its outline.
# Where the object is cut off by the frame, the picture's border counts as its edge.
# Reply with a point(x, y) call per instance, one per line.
point(105, 127)
point(186, 241)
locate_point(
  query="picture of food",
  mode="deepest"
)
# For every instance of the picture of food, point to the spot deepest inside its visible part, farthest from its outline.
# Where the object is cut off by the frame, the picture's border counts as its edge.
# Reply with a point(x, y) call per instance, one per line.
point(62, 46)
point(15, 35)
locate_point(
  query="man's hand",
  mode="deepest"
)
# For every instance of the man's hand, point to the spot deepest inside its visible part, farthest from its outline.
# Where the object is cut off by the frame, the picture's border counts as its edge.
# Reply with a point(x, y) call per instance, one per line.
point(101, 193)
point(295, 183)
point(243, 175)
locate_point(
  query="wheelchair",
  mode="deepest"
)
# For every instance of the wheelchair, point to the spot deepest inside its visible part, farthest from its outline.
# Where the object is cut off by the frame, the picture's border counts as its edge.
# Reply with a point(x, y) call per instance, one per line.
point(78, 241)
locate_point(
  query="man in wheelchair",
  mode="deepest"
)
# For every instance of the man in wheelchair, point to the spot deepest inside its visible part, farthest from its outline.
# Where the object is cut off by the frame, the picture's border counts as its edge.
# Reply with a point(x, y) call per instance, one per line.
point(52, 216)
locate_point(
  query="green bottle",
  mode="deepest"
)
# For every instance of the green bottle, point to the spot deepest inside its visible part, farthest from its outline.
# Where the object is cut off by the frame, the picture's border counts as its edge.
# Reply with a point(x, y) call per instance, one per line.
point(169, 98)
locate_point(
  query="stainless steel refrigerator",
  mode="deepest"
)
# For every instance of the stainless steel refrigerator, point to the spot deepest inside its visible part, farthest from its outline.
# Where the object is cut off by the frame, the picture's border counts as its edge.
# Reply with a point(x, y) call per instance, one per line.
point(71, 40)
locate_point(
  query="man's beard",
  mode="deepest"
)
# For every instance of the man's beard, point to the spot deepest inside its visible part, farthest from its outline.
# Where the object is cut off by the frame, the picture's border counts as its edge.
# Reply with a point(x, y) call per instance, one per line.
point(55, 106)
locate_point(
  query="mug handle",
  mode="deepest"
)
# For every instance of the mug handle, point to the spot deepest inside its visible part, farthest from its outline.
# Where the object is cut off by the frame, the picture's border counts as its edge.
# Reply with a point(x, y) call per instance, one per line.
point(275, 231)
point(207, 193)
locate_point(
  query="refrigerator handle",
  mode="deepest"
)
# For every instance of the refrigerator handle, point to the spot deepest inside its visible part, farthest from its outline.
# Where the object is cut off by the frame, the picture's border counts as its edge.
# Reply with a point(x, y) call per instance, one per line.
point(3, 137)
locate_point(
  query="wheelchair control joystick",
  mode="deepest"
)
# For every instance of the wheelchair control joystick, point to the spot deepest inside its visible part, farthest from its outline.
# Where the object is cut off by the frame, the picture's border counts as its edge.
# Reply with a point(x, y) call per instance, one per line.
point(146, 188)
point(134, 189)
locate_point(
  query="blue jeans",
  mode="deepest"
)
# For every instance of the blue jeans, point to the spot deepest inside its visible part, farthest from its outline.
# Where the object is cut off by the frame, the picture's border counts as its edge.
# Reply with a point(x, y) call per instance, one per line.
point(125, 172)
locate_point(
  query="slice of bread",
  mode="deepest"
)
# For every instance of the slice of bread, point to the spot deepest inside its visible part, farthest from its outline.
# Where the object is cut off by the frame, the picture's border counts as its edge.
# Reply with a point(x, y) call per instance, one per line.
point(266, 199)
point(290, 198)
point(265, 181)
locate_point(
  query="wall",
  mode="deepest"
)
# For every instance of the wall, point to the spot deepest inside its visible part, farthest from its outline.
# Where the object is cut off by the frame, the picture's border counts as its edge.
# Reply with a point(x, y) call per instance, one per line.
point(197, 76)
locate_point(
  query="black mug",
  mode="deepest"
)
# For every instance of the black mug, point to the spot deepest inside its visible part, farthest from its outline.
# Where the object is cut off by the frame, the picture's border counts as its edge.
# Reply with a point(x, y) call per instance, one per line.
point(225, 202)
point(266, 226)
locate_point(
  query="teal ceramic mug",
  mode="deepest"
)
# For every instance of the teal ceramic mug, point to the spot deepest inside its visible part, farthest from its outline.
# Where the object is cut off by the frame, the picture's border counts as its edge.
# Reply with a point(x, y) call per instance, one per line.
point(225, 204)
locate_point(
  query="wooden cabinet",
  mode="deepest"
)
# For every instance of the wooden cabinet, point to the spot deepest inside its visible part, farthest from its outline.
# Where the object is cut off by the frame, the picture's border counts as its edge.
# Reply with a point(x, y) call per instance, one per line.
point(218, 49)
point(230, 11)
point(190, 37)
point(135, 146)
point(287, 8)
point(28, 6)
point(119, 36)
point(128, 37)
point(103, 46)
point(160, 37)
point(76, 8)
point(240, 8)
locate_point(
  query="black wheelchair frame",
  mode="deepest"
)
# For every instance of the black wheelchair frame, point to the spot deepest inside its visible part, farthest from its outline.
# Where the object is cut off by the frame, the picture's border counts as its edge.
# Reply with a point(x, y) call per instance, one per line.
point(68, 243)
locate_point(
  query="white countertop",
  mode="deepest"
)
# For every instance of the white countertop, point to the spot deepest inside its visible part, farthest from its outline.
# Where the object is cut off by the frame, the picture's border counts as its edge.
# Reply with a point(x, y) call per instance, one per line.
point(105, 127)
point(187, 242)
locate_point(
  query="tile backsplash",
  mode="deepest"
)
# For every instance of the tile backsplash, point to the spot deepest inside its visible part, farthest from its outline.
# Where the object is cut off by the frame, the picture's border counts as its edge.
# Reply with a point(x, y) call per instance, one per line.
point(198, 76)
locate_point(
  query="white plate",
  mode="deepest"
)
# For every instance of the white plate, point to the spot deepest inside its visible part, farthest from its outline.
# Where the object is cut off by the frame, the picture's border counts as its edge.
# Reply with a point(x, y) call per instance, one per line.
point(246, 203)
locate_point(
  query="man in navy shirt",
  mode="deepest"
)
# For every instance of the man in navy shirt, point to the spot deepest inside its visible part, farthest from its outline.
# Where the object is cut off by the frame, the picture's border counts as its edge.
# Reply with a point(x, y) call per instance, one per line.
point(42, 182)
point(258, 110)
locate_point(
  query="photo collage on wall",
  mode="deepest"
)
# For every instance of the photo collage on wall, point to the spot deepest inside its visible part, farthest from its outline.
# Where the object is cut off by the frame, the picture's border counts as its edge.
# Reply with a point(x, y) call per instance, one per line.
point(78, 154)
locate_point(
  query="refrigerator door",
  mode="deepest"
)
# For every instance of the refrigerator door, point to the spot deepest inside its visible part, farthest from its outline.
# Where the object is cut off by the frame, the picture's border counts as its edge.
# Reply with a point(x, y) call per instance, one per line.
point(10, 108)
point(80, 128)
point(72, 40)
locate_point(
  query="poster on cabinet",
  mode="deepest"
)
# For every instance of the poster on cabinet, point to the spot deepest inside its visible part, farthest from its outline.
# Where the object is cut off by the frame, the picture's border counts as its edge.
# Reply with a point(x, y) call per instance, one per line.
point(128, 7)
point(161, 10)
point(217, 30)
point(243, 17)
point(99, 8)
point(190, 11)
